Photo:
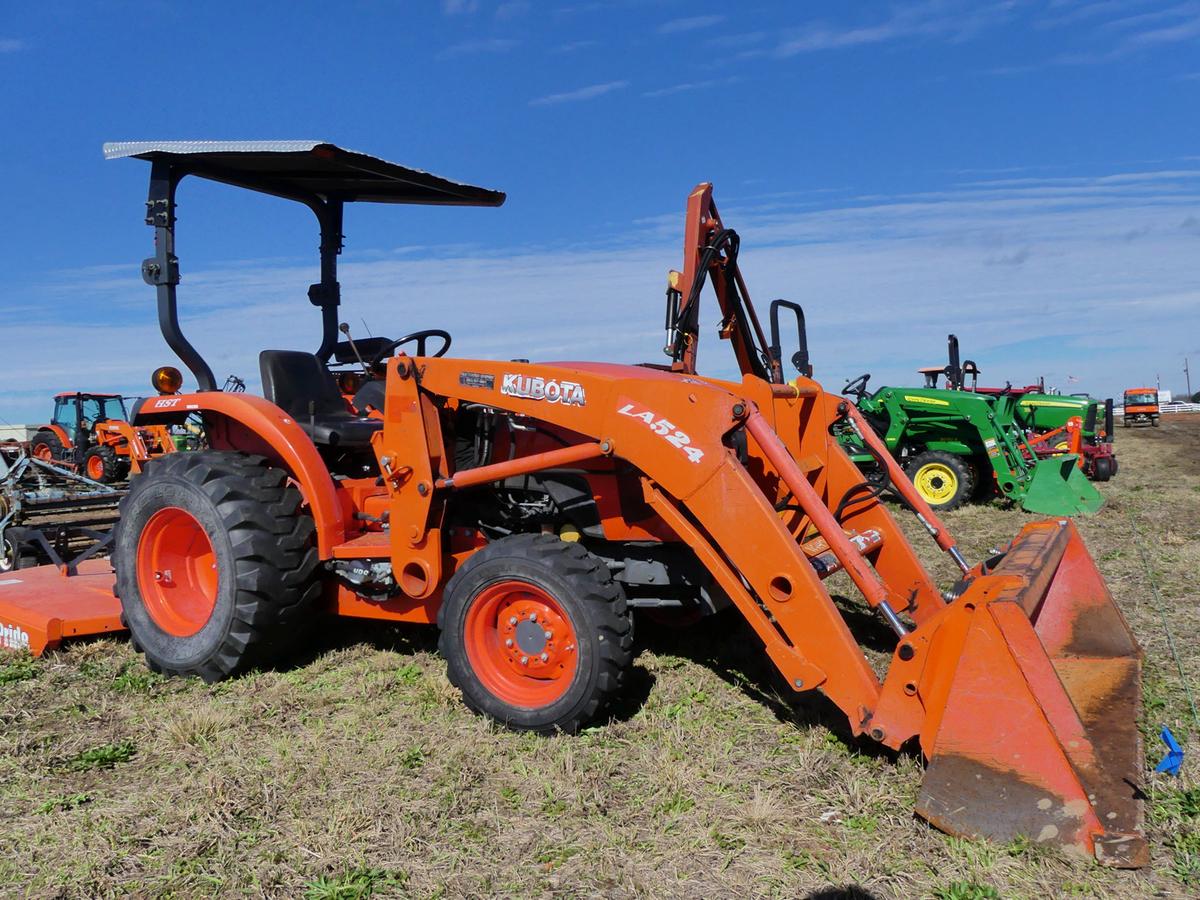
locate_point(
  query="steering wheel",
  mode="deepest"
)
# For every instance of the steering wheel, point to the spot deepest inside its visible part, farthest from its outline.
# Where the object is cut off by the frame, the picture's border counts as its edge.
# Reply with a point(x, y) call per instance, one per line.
point(420, 337)
point(857, 387)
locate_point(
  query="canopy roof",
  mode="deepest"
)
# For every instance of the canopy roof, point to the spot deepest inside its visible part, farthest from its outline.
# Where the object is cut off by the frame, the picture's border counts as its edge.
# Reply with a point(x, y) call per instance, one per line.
point(303, 169)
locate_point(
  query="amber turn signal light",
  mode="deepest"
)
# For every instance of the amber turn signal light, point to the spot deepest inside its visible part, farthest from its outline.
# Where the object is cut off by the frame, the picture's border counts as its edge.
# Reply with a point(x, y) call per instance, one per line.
point(167, 380)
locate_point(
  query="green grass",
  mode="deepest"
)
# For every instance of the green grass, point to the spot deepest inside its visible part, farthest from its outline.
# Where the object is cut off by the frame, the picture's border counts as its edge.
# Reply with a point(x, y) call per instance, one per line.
point(19, 669)
point(966, 890)
point(103, 757)
point(355, 884)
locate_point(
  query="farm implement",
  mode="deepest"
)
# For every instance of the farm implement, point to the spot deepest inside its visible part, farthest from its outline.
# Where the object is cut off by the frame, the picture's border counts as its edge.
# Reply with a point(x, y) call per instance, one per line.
point(958, 443)
point(528, 509)
point(53, 525)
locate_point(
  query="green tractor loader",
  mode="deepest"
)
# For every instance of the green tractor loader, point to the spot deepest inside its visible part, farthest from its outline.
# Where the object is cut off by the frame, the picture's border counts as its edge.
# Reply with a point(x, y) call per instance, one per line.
point(1044, 417)
point(956, 445)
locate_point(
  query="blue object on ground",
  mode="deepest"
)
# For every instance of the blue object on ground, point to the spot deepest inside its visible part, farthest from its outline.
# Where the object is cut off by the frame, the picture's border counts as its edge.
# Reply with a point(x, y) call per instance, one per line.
point(1174, 758)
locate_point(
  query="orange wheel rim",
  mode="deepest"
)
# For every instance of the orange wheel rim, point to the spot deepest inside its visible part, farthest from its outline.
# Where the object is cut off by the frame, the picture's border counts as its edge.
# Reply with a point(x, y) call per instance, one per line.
point(42, 451)
point(521, 644)
point(177, 572)
point(95, 468)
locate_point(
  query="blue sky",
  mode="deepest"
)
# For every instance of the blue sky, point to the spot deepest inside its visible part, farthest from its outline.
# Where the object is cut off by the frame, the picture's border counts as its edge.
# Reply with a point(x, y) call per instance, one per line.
point(1026, 174)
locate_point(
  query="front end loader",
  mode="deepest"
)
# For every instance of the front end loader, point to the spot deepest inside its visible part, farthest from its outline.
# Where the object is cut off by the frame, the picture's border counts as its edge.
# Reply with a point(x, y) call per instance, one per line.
point(528, 508)
point(1054, 424)
point(957, 444)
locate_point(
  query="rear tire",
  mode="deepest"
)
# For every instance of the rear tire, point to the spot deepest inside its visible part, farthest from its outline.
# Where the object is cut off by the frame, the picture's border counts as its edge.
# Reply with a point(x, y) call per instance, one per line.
point(101, 464)
point(46, 446)
point(215, 562)
point(944, 480)
point(499, 608)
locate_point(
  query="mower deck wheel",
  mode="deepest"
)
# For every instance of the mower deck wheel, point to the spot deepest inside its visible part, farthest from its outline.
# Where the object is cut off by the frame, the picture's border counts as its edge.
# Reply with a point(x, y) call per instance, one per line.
point(536, 634)
point(1103, 468)
point(944, 480)
point(101, 464)
point(215, 562)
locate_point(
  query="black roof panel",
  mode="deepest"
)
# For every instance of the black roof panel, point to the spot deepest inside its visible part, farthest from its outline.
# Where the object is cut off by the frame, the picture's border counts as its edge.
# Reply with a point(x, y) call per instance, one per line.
point(300, 169)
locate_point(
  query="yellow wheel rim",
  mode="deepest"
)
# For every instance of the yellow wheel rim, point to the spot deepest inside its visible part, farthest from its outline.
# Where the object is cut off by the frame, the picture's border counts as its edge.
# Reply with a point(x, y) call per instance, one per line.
point(936, 482)
point(1062, 446)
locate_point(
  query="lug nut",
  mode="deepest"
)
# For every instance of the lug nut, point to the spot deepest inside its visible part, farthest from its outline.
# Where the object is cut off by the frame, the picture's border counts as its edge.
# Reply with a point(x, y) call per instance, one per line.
point(549, 635)
point(533, 617)
point(508, 643)
point(512, 620)
point(524, 660)
point(545, 656)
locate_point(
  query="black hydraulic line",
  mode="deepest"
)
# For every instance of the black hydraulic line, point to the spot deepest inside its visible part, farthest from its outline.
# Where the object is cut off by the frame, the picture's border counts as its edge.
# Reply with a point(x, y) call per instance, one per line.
point(869, 491)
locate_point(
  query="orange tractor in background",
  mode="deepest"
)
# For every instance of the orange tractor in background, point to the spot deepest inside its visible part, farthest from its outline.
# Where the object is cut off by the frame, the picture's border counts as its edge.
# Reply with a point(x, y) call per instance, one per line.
point(1140, 405)
point(91, 433)
point(527, 509)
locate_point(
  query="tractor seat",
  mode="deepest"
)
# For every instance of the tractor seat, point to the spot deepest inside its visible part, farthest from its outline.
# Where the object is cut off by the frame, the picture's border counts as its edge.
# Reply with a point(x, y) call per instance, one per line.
point(300, 385)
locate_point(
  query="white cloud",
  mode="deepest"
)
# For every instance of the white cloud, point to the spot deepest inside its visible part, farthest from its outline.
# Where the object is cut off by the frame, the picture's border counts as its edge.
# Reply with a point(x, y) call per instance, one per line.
point(459, 7)
point(572, 46)
point(512, 9)
point(483, 45)
point(11, 45)
point(689, 23)
point(583, 93)
point(1092, 276)
point(687, 86)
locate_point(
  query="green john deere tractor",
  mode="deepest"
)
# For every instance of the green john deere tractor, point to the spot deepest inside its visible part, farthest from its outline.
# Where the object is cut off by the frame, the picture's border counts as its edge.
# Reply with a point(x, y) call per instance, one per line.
point(957, 445)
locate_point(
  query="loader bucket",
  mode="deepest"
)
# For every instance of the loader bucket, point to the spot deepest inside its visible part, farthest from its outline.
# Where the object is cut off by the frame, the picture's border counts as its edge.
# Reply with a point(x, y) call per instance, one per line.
point(1038, 734)
point(1059, 488)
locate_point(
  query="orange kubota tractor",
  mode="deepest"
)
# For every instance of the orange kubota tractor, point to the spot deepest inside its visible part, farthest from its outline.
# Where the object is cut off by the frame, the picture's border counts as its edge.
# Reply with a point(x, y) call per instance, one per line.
point(91, 432)
point(527, 508)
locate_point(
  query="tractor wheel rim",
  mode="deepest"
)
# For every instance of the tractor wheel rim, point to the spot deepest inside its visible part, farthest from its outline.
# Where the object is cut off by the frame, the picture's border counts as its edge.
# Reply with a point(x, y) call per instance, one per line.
point(936, 482)
point(95, 468)
point(521, 644)
point(177, 572)
point(42, 452)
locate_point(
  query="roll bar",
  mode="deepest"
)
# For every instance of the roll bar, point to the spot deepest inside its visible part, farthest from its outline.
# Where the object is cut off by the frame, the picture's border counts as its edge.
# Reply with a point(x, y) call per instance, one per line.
point(320, 175)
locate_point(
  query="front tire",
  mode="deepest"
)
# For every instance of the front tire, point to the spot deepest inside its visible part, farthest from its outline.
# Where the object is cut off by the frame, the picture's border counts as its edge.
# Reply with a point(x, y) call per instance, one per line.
point(944, 480)
point(101, 464)
point(536, 634)
point(215, 563)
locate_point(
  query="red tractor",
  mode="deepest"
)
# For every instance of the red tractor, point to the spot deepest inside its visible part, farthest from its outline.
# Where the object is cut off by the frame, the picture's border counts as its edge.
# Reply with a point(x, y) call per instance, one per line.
point(91, 433)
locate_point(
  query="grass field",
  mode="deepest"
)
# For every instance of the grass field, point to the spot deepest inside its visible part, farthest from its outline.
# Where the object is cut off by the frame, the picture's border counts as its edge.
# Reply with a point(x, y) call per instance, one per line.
point(359, 772)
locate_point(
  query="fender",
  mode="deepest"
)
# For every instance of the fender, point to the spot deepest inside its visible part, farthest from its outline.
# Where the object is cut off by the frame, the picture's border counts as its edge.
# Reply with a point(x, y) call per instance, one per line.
point(67, 443)
point(254, 425)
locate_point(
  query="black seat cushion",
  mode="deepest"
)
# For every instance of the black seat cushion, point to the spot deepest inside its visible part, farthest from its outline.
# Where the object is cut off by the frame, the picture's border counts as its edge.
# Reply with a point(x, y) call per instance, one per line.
point(300, 385)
